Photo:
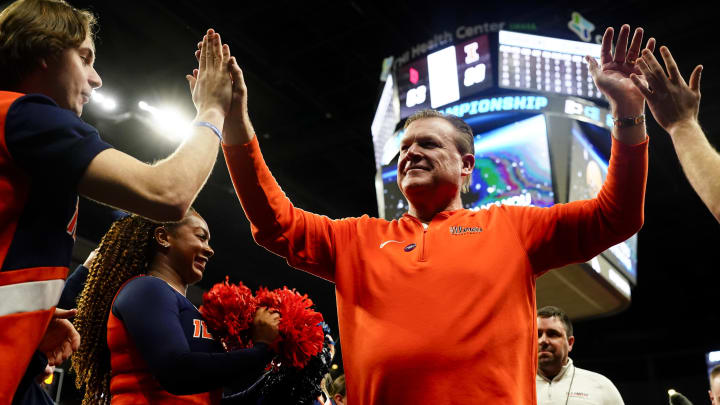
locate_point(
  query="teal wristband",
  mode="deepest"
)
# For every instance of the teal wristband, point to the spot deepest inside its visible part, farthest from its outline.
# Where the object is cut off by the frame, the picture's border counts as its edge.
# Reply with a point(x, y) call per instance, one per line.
point(211, 126)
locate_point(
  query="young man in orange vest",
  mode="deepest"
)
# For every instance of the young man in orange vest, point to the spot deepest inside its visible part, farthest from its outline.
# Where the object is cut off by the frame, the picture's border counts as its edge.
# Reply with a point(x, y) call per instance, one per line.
point(48, 156)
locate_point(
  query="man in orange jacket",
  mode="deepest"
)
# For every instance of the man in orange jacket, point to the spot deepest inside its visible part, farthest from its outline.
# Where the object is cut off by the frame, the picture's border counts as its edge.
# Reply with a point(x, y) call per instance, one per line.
point(442, 298)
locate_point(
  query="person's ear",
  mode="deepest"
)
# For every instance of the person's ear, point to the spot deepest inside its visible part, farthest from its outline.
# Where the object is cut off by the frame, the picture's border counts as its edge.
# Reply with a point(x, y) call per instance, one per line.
point(162, 237)
point(571, 341)
point(339, 399)
point(468, 163)
point(42, 63)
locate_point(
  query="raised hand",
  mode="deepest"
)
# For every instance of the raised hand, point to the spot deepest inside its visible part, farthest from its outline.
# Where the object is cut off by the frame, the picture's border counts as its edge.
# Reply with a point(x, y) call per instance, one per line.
point(61, 339)
point(612, 75)
point(210, 83)
point(264, 328)
point(672, 101)
point(237, 127)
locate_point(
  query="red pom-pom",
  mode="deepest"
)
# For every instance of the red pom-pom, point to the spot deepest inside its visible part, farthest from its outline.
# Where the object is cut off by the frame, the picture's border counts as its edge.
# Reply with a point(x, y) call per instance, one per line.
point(301, 335)
point(229, 310)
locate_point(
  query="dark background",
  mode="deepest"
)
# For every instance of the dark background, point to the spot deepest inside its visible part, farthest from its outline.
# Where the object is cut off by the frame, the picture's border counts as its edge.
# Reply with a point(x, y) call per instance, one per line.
point(312, 70)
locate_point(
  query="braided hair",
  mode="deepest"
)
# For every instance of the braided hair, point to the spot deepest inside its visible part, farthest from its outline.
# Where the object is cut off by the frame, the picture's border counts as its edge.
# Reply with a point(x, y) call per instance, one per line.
point(125, 251)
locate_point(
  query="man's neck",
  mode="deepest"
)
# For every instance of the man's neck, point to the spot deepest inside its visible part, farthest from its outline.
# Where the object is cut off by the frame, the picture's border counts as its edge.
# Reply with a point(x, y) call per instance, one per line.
point(549, 373)
point(424, 209)
point(32, 83)
point(552, 371)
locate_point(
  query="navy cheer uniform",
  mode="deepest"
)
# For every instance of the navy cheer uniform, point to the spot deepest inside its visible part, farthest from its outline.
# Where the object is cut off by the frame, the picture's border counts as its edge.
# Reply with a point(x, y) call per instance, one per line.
point(161, 351)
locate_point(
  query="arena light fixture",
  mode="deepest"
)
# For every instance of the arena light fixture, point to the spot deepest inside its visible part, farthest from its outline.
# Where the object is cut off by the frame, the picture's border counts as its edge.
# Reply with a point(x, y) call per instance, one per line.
point(107, 103)
point(714, 356)
point(168, 121)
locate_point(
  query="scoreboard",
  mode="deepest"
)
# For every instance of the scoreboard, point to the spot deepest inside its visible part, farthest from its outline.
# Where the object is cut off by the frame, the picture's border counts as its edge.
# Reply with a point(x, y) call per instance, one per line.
point(532, 62)
point(445, 76)
point(525, 62)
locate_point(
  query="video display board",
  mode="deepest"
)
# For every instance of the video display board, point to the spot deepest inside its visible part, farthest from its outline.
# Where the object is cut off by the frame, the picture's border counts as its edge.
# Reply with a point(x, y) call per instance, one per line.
point(712, 360)
point(445, 76)
point(550, 65)
point(588, 170)
point(512, 166)
point(386, 117)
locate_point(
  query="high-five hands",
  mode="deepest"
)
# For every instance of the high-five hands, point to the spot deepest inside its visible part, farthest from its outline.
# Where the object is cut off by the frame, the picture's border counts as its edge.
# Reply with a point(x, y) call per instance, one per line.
point(237, 127)
point(612, 77)
point(672, 101)
point(675, 105)
point(210, 83)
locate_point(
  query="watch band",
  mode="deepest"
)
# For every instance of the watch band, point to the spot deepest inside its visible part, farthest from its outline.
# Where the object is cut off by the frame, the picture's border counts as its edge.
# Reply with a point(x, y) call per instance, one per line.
point(629, 121)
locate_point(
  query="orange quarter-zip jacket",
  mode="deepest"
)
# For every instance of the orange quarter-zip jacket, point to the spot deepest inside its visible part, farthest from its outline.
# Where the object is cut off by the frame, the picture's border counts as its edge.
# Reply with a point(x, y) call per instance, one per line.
point(443, 314)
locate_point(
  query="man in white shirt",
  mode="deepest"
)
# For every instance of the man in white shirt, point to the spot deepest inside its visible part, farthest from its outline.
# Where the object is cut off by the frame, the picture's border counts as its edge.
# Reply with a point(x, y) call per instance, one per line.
point(558, 381)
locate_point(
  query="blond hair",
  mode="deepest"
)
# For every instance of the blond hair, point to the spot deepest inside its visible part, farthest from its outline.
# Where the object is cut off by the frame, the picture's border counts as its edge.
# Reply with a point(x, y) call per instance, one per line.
point(34, 29)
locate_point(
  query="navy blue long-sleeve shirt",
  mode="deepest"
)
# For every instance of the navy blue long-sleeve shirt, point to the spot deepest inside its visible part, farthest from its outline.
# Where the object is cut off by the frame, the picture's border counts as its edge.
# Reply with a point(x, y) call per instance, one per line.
point(170, 334)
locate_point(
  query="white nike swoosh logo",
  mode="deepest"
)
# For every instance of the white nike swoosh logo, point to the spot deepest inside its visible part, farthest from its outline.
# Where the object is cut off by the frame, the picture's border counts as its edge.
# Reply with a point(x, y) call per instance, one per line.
point(388, 241)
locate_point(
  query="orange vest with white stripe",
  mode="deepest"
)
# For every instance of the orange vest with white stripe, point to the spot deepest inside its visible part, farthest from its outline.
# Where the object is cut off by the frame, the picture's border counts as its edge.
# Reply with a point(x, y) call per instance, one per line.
point(14, 183)
point(14, 190)
point(28, 295)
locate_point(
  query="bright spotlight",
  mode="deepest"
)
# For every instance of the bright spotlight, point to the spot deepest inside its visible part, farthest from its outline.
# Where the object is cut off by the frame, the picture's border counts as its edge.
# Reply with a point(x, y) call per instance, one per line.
point(107, 103)
point(671, 392)
point(97, 97)
point(172, 124)
point(143, 106)
point(168, 121)
point(714, 356)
